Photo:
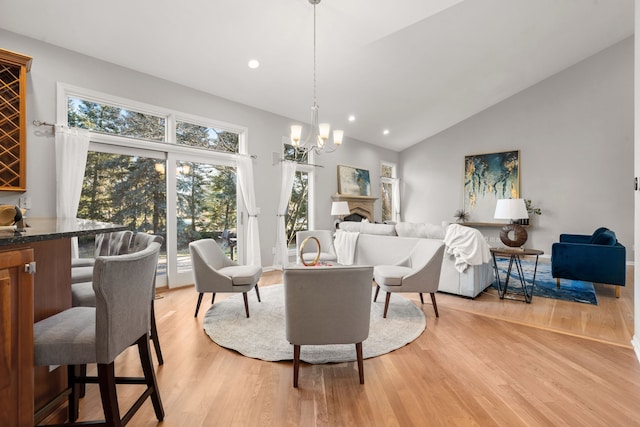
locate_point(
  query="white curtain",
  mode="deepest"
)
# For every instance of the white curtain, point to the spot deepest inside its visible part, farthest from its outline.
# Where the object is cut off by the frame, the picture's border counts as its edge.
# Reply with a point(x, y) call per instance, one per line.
point(245, 178)
point(396, 199)
point(281, 256)
point(72, 145)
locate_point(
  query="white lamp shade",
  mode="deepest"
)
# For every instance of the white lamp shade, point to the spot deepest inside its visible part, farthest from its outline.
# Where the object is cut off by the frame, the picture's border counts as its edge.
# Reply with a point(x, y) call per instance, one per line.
point(296, 134)
point(340, 208)
point(511, 209)
point(337, 136)
point(323, 130)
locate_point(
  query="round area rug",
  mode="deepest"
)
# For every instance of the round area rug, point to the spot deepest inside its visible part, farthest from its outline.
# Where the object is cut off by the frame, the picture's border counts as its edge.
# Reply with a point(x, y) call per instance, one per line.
point(262, 336)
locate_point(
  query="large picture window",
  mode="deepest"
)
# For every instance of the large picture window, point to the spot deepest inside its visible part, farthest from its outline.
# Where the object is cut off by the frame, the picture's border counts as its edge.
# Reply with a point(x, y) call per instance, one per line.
point(180, 184)
point(297, 218)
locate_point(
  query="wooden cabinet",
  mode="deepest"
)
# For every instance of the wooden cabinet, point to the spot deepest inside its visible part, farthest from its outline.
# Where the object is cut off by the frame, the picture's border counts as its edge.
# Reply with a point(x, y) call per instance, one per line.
point(16, 338)
point(13, 106)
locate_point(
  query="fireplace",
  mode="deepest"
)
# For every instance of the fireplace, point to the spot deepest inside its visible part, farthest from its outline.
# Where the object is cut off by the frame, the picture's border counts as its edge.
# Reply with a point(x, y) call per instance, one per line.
point(360, 205)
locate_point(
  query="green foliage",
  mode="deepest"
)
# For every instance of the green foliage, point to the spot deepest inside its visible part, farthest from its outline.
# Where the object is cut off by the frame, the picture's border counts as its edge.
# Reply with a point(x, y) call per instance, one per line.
point(532, 210)
point(131, 190)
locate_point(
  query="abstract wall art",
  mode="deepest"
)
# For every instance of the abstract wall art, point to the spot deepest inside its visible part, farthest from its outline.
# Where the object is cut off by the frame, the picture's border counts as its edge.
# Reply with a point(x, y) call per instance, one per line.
point(487, 178)
point(353, 181)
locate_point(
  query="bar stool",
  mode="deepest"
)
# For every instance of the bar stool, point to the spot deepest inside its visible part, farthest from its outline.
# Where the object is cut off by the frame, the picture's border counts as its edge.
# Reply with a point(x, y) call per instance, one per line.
point(123, 285)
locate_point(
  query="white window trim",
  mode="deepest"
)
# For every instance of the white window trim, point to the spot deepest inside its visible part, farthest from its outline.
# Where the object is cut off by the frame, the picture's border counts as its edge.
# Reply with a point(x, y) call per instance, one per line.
point(167, 150)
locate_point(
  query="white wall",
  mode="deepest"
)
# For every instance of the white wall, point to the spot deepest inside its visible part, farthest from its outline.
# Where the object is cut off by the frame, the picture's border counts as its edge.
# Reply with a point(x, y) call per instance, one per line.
point(574, 131)
point(52, 64)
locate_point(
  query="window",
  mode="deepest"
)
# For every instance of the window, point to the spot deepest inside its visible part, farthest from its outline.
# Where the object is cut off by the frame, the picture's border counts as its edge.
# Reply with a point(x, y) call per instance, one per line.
point(179, 184)
point(297, 218)
point(389, 191)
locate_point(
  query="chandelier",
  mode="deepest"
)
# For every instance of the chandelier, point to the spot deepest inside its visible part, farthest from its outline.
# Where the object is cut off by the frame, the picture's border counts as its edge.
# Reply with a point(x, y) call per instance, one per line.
point(317, 140)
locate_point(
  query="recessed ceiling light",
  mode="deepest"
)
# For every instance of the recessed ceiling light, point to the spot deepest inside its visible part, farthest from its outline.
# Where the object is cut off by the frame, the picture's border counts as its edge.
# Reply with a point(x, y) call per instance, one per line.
point(254, 63)
point(352, 118)
point(385, 132)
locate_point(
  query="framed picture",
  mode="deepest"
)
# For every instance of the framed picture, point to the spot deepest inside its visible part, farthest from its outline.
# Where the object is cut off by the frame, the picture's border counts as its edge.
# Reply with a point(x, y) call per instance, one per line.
point(487, 178)
point(353, 181)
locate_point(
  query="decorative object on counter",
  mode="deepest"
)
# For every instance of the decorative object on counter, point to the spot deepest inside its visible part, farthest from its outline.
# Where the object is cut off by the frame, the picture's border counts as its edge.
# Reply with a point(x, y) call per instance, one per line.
point(461, 216)
point(10, 215)
point(513, 210)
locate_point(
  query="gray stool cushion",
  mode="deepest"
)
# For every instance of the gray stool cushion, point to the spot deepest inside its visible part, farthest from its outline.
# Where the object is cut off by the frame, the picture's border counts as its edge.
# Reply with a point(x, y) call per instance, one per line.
point(52, 338)
point(82, 274)
point(82, 295)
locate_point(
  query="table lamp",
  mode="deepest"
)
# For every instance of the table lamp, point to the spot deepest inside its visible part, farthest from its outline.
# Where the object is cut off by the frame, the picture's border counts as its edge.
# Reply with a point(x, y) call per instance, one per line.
point(339, 209)
point(513, 210)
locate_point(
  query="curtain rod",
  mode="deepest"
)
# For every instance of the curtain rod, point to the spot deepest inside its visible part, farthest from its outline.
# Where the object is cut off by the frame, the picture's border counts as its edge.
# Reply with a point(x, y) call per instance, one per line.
point(39, 123)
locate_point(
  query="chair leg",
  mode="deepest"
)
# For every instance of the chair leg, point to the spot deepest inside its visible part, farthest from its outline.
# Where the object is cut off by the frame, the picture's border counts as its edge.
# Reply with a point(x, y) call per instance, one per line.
point(107, 382)
point(433, 301)
point(421, 299)
point(618, 291)
point(558, 283)
point(258, 293)
point(386, 304)
point(154, 335)
point(213, 297)
point(296, 364)
point(81, 371)
point(246, 303)
point(198, 304)
point(150, 376)
point(74, 397)
point(360, 362)
point(375, 297)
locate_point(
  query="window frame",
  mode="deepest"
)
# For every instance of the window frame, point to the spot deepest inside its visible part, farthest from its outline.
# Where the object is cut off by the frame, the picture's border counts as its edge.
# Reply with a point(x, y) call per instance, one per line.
point(393, 180)
point(168, 150)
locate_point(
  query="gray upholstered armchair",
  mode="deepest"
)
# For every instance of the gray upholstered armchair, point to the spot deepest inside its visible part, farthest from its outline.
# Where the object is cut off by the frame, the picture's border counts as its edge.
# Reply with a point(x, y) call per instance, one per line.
point(327, 305)
point(419, 272)
point(327, 251)
point(214, 272)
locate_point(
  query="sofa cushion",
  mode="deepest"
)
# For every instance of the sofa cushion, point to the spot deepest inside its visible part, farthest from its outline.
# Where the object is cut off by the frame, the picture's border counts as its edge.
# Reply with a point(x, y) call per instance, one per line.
point(352, 226)
point(390, 275)
point(606, 237)
point(379, 229)
point(420, 230)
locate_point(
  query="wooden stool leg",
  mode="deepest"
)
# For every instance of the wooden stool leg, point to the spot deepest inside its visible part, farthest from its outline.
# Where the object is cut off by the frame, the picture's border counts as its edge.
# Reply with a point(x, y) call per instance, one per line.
point(360, 362)
point(296, 364)
point(154, 335)
point(558, 283)
point(107, 381)
point(74, 397)
point(150, 376)
point(618, 291)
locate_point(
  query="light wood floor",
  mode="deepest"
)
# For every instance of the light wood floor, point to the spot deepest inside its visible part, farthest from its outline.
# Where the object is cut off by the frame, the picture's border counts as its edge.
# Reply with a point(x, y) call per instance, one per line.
point(483, 362)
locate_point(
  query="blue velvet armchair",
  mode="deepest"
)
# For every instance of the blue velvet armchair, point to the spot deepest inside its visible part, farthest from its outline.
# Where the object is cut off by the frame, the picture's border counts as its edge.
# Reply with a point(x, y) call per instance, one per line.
point(597, 258)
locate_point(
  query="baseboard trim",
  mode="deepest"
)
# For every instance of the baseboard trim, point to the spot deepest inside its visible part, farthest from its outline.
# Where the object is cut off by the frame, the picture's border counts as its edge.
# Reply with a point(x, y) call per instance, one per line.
point(635, 342)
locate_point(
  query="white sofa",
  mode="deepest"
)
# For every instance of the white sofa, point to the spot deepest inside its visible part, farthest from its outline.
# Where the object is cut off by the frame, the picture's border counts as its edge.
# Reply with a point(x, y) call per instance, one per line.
point(386, 244)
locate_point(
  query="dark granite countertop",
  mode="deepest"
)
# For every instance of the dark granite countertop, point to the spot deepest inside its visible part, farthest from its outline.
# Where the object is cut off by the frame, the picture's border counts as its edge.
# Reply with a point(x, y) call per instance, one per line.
point(38, 229)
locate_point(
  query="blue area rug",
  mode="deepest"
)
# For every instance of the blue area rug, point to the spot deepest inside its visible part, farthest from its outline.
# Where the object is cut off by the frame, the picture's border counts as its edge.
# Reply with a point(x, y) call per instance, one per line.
point(570, 290)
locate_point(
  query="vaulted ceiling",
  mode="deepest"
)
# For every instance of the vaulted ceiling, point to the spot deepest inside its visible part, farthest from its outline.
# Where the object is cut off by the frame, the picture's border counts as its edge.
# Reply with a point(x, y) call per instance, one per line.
point(414, 67)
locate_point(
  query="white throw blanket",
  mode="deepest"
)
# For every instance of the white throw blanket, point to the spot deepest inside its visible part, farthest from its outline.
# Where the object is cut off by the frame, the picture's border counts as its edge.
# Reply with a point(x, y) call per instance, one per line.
point(345, 245)
point(467, 245)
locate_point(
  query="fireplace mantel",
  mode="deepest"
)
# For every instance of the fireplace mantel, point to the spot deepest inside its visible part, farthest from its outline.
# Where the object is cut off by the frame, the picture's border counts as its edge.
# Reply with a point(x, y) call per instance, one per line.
point(361, 205)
